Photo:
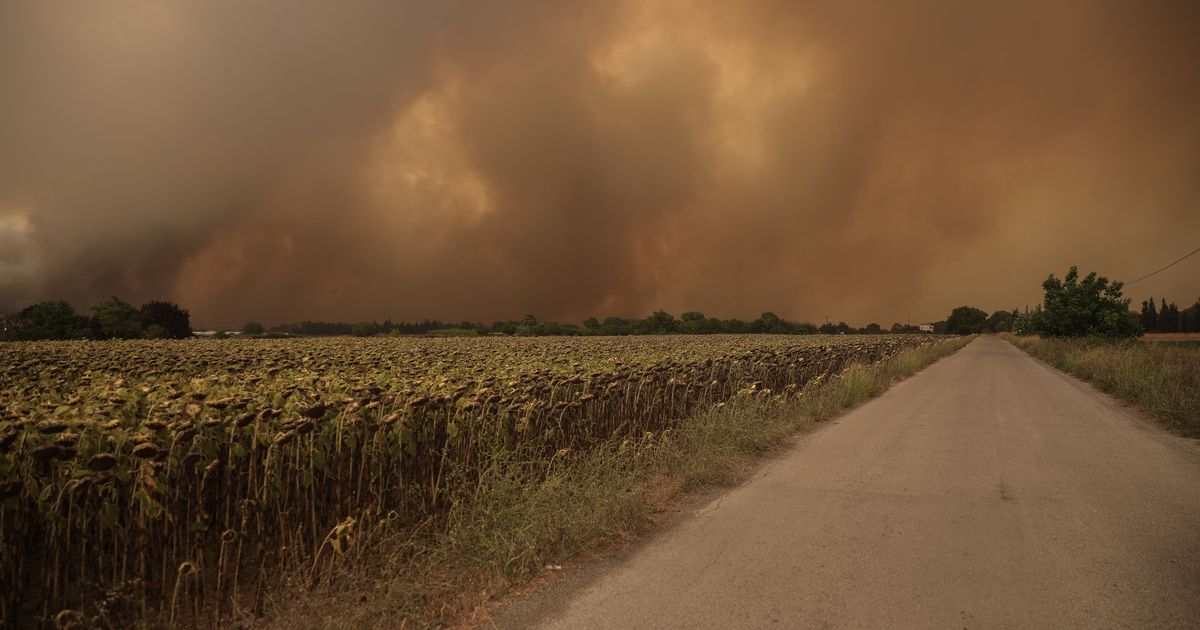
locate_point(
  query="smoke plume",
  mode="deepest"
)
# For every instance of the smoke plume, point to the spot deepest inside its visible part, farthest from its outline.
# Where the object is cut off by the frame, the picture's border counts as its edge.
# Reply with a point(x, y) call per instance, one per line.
point(867, 161)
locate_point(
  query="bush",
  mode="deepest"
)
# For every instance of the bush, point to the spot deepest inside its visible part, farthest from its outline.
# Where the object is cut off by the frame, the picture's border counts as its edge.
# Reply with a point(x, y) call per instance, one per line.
point(253, 328)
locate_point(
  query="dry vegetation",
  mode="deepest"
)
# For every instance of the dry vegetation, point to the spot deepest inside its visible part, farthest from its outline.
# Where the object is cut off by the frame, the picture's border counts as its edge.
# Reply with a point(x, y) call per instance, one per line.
point(1187, 336)
point(172, 482)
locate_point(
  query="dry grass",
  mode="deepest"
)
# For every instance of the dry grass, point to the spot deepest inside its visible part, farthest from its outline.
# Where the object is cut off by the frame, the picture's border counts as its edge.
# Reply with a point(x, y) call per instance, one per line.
point(1189, 336)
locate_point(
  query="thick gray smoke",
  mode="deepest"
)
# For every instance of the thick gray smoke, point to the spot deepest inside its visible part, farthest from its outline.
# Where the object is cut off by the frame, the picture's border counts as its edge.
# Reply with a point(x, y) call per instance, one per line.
point(276, 160)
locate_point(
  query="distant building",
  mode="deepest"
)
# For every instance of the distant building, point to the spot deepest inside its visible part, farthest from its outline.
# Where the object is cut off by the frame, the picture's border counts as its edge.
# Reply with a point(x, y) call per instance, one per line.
point(925, 327)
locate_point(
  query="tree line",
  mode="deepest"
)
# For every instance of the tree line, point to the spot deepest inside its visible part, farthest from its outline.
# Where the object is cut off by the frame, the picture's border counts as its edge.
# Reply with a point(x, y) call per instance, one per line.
point(1072, 306)
point(1092, 306)
point(111, 319)
point(1169, 318)
point(657, 323)
point(1077, 306)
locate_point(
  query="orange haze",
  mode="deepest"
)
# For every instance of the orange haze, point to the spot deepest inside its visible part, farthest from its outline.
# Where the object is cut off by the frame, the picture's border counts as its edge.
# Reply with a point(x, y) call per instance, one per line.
point(869, 161)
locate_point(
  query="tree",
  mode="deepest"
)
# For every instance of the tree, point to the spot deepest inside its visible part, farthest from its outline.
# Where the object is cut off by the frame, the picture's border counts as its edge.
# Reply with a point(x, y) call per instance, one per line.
point(52, 319)
point(617, 326)
point(252, 328)
point(364, 329)
point(661, 322)
point(1168, 317)
point(1149, 315)
point(1000, 321)
point(965, 320)
point(768, 322)
point(118, 319)
point(1029, 323)
point(1190, 321)
point(528, 326)
point(873, 329)
point(504, 328)
point(1088, 307)
point(169, 315)
point(695, 323)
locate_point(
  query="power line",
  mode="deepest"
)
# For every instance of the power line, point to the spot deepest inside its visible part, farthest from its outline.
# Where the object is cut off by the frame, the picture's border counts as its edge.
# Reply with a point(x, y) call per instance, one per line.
point(1165, 268)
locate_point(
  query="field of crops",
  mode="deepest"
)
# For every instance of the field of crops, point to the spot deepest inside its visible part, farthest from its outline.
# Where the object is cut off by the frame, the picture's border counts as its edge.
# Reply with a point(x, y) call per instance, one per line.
point(169, 480)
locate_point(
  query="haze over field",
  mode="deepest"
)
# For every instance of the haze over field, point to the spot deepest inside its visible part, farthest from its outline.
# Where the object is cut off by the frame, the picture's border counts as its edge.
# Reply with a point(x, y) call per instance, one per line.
point(869, 161)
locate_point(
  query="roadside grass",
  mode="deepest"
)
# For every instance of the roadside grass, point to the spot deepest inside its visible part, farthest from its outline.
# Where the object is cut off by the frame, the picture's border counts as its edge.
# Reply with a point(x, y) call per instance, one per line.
point(528, 512)
point(1162, 378)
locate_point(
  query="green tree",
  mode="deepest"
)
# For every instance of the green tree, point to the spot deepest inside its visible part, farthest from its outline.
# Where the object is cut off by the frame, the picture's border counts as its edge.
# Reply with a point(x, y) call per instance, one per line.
point(661, 322)
point(1149, 315)
point(1089, 307)
point(1000, 321)
point(1168, 317)
point(528, 326)
point(1191, 318)
point(118, 319)
point(873, 329)
point(768, 322)
point(252, 328)
point(168, 315)
point(693, 322)
point(966, 320)
point(364, 329)
point(52, 319)
point(504, 328)
point(1028, 323)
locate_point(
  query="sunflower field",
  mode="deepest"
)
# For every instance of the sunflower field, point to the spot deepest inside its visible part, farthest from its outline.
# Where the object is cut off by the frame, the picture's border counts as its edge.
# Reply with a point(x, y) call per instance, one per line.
point(163, 480)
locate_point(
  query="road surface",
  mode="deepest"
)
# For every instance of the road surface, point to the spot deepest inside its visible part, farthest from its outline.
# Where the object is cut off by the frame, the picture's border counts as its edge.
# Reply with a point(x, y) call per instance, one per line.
point(988, 491)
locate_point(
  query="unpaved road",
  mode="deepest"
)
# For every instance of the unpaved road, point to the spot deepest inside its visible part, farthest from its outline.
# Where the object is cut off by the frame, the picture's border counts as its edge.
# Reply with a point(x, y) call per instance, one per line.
point(988, 491)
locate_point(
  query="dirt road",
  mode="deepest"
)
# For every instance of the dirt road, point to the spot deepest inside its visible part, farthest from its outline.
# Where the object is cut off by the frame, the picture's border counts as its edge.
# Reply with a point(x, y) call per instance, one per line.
point(988, 491)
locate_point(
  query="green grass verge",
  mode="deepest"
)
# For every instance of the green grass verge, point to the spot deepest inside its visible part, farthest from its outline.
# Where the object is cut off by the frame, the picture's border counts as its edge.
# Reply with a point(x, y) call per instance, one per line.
point(1162, 379)
point(526, 511)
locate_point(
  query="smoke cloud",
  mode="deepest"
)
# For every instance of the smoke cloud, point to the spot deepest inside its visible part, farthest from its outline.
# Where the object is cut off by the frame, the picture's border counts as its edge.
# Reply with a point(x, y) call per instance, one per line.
point(867, 161)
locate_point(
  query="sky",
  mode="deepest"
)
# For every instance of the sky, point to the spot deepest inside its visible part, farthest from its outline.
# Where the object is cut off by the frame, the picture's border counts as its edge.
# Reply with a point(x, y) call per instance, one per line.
point(865, 161)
